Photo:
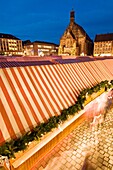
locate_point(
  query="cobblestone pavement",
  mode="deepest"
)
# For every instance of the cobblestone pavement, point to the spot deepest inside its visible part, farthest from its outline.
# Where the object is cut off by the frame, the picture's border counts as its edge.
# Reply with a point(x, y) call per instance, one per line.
point(71, 152)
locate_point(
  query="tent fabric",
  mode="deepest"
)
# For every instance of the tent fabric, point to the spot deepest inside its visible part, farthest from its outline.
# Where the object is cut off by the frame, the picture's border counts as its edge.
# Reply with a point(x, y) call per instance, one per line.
point(32, 94)
point(109, 65)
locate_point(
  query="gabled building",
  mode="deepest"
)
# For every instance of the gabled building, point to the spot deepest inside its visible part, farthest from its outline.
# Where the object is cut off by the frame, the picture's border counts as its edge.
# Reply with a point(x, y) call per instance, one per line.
point(10, 45)
point(40, 48)
point(103, 45)
point(75, 41)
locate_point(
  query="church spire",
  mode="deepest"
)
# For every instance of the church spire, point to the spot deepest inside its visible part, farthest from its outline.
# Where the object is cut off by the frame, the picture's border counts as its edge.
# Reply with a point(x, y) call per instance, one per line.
point(72, 16)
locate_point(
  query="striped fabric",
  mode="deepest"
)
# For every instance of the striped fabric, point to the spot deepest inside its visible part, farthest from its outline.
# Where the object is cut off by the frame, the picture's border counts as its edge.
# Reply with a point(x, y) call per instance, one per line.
point(109, 65)
point(32, 94)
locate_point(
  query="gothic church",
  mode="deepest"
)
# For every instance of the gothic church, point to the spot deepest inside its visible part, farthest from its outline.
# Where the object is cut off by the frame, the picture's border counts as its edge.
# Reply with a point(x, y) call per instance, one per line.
point(75, 41)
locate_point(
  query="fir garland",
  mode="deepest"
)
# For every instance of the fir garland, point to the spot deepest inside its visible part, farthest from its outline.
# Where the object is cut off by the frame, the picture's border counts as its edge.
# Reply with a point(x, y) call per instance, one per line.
point(10, 148)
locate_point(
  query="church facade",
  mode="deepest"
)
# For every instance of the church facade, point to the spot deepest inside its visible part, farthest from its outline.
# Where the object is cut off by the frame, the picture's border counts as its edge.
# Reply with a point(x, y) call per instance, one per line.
point(75, 41)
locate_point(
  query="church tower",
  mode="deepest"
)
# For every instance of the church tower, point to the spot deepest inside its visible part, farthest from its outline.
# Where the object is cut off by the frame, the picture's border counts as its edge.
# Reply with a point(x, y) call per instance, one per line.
point(72, 17)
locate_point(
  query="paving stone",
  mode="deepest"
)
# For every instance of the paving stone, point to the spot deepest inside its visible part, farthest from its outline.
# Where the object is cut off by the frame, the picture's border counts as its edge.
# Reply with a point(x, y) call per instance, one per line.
point(60, 152)
point(106, 150)
point(105, 163)
point(62, 148)
point(110, 148)
point(94, 165)
point(100, 160)
point(105, 168)
point(92, 150)
point(66, 168)
point(73, 162)
point(98, 168)
point(63, 161)
point(110, 167)
point(68, 165)
point(73, 157)
point(94, 160)
point(111, 158)
point(111, 162)
point(41, 168)
point(78, 160)
point(64, 144)
point(99, 164)
point(78, 155)
point(56, 155)
point(101, 147)
point(79, 151)
point(111, 153)
point(67, 147)
point(56, 149)
point(70, 152)
point(68, 159)
point(106, 159)
point(78, 166)
point(62, 167)
point(95, 156)
point(102, 152)
point(106, 155)
point(43, 163)
point(101, 156)
point(108, 144)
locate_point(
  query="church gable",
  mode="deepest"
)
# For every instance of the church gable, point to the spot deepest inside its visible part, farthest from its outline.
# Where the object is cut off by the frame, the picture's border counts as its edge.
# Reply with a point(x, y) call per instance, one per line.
point(68, 34)
point(77, 31)
point(68, 38)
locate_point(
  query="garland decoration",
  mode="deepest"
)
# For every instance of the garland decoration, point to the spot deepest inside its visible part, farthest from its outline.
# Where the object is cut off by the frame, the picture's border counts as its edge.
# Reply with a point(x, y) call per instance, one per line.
point(10, 148)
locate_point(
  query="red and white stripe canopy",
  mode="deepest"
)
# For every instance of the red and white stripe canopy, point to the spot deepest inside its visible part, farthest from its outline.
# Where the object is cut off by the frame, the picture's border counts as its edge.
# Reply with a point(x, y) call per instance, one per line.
point(32, 94)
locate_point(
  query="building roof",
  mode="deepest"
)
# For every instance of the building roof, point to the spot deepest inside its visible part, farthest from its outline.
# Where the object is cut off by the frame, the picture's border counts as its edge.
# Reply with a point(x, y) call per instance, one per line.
point(71, 31)
point(72, 34)
point(84, 32)
point(104, 37)
point(28, 42)
point(8, 36)
point(43, 42)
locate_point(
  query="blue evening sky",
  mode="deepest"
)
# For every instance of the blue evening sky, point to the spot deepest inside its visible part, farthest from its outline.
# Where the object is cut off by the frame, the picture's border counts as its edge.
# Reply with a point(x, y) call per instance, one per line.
point(46, 20)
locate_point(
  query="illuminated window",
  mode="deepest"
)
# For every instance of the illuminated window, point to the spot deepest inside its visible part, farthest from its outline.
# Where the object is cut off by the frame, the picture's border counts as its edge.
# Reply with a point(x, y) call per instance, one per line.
point(47, 46)
point(39, 46)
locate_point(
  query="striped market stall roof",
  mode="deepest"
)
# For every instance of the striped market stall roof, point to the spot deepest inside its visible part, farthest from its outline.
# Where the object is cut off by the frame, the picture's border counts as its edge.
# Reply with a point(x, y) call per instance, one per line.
point(32, 94)
point(23, 64)
point(109, 65)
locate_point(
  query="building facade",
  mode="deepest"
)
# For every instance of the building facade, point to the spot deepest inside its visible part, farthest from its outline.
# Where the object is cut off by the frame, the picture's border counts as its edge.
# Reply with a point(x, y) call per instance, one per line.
point(103, 45)
point(40, 48)
point(75, 41)
point(10, 45)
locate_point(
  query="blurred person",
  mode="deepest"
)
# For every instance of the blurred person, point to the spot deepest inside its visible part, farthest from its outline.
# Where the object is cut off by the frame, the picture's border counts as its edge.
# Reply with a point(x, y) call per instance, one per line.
point(87, 165)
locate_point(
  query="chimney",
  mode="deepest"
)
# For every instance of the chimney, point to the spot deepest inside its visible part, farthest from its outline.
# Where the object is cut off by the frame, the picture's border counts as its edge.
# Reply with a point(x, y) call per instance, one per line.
point(72, 16)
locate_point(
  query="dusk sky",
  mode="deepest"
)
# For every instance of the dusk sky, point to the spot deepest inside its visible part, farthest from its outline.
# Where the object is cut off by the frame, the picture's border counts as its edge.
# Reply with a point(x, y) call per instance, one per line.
point(46, 20)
